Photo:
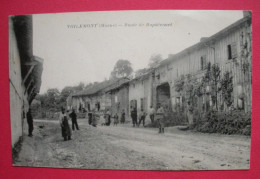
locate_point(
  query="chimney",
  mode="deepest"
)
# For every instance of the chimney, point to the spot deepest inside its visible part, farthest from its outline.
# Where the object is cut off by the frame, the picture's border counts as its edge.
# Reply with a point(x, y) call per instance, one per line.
point(203, 39)
point(170, 55)
point(247, 13)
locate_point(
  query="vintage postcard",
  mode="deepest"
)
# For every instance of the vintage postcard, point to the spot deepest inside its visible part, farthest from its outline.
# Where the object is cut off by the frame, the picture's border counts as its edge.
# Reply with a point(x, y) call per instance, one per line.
point(131, 90)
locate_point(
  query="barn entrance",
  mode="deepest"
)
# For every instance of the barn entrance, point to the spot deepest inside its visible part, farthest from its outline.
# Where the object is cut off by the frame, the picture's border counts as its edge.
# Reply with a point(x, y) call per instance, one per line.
point(163, 96)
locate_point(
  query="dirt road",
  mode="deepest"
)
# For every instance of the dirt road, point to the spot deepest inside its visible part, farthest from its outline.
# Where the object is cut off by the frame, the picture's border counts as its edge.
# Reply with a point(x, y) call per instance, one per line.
point(125, 147)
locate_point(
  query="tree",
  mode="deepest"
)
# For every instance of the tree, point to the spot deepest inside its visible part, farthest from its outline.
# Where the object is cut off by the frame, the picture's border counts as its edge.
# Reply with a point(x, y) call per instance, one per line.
point(154, 60)
point(52, 100)
point(122, 68)
point(65, 92)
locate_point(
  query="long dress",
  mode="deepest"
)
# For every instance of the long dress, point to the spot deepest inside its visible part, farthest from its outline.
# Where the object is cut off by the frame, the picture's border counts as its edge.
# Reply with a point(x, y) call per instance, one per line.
point(123, 117)
point(65, 128)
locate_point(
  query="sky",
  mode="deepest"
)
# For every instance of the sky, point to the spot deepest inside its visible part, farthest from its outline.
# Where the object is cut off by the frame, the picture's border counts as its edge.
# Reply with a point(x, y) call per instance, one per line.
point(76, 47)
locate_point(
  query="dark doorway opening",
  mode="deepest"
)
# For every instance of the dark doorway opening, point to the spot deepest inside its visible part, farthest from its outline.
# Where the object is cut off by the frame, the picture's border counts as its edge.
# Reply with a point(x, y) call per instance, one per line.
point(163, 96)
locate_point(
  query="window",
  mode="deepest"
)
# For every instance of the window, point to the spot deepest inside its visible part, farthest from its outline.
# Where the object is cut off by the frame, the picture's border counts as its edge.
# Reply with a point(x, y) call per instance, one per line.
point(133, 104)
point(88, 107)
point(98, 106)
point(203, 64)
point(241, 104)
point(169, 67)
point(232, 50)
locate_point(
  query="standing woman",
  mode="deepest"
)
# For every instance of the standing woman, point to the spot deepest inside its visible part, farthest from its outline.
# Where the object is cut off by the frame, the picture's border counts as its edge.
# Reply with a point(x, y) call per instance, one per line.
point(65, 128)
point(108, 116)
point(123, 116)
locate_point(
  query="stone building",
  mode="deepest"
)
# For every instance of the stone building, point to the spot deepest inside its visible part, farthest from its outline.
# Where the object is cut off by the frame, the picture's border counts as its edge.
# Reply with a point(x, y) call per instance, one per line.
point(140, 93)
point(25, 72)
point(120, 98)
point(95, 97)
point(215, 73)
point(184, 76)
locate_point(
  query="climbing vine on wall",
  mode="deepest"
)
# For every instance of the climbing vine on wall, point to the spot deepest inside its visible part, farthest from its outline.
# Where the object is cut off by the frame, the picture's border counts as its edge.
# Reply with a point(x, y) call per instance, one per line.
point(227, 88)
point(212, 79)
point(179, 84)
point(192, 88)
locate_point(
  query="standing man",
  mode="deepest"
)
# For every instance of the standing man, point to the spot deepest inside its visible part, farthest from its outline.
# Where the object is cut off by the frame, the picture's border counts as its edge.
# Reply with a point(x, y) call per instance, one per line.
point(152, 113)
point(134, 117)
point(73, 116)
point(30, 122)
point(64, 123)
point(160, 118)
point(142, 118)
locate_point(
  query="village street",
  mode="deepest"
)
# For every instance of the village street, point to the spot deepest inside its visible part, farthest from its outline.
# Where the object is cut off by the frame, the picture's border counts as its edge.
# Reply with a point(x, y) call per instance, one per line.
point(125, 147)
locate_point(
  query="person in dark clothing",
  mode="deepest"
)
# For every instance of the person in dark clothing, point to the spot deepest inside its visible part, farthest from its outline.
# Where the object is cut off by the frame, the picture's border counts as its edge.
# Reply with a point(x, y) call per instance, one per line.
point(108, 118)
point(73, 116)
point(123, 117)
point(116, 120)
point(30, 123)
point(90, 115)
point(134, 117)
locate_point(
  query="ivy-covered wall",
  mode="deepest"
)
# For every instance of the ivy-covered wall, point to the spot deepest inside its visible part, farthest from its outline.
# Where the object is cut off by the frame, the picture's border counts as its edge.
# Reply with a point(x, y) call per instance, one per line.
point(216, 74)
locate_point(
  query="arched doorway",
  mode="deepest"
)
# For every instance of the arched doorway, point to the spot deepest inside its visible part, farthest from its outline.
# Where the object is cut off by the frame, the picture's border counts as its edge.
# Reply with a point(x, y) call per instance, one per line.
point(163, 96)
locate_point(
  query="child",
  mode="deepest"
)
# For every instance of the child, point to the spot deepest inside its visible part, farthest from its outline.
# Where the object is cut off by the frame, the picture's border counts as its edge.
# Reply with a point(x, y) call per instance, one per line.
point(116, 120)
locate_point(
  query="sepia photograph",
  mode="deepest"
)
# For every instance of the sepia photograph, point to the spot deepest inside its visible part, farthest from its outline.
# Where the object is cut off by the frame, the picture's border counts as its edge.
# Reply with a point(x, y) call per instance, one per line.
point(131, 90)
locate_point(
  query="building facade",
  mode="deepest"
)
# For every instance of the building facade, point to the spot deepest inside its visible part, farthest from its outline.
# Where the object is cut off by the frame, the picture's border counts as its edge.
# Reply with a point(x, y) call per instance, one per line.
point(202, 73)
point(215, 73)
point(94, 98)
point(140, 93)
point(25, 72)
point(120, 99)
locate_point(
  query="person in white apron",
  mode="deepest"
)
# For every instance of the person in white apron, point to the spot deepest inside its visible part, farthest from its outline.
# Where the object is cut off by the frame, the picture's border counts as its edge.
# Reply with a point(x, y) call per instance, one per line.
point(64, 123)
point(161, 119)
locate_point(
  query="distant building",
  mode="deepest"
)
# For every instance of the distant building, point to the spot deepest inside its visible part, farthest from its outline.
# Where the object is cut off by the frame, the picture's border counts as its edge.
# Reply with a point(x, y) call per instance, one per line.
point(140, 93)
point(120, 97)
point(25, 72)
point(94, 97)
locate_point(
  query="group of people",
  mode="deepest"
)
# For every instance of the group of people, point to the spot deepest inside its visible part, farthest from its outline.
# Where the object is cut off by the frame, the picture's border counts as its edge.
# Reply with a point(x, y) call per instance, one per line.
point(92, 119)
point(159, 114)
point(122, 118)
point(134, 117)
point(64, 123)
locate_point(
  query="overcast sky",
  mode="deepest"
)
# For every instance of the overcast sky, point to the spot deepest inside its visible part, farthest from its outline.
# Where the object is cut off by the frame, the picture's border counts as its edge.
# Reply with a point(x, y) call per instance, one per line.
point(88, 54)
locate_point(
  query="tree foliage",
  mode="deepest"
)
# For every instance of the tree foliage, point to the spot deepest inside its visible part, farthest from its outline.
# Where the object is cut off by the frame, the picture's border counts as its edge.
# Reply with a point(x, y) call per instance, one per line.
point(122, 68)
point(154, 60)
point(141, 72)
point(53, 99)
